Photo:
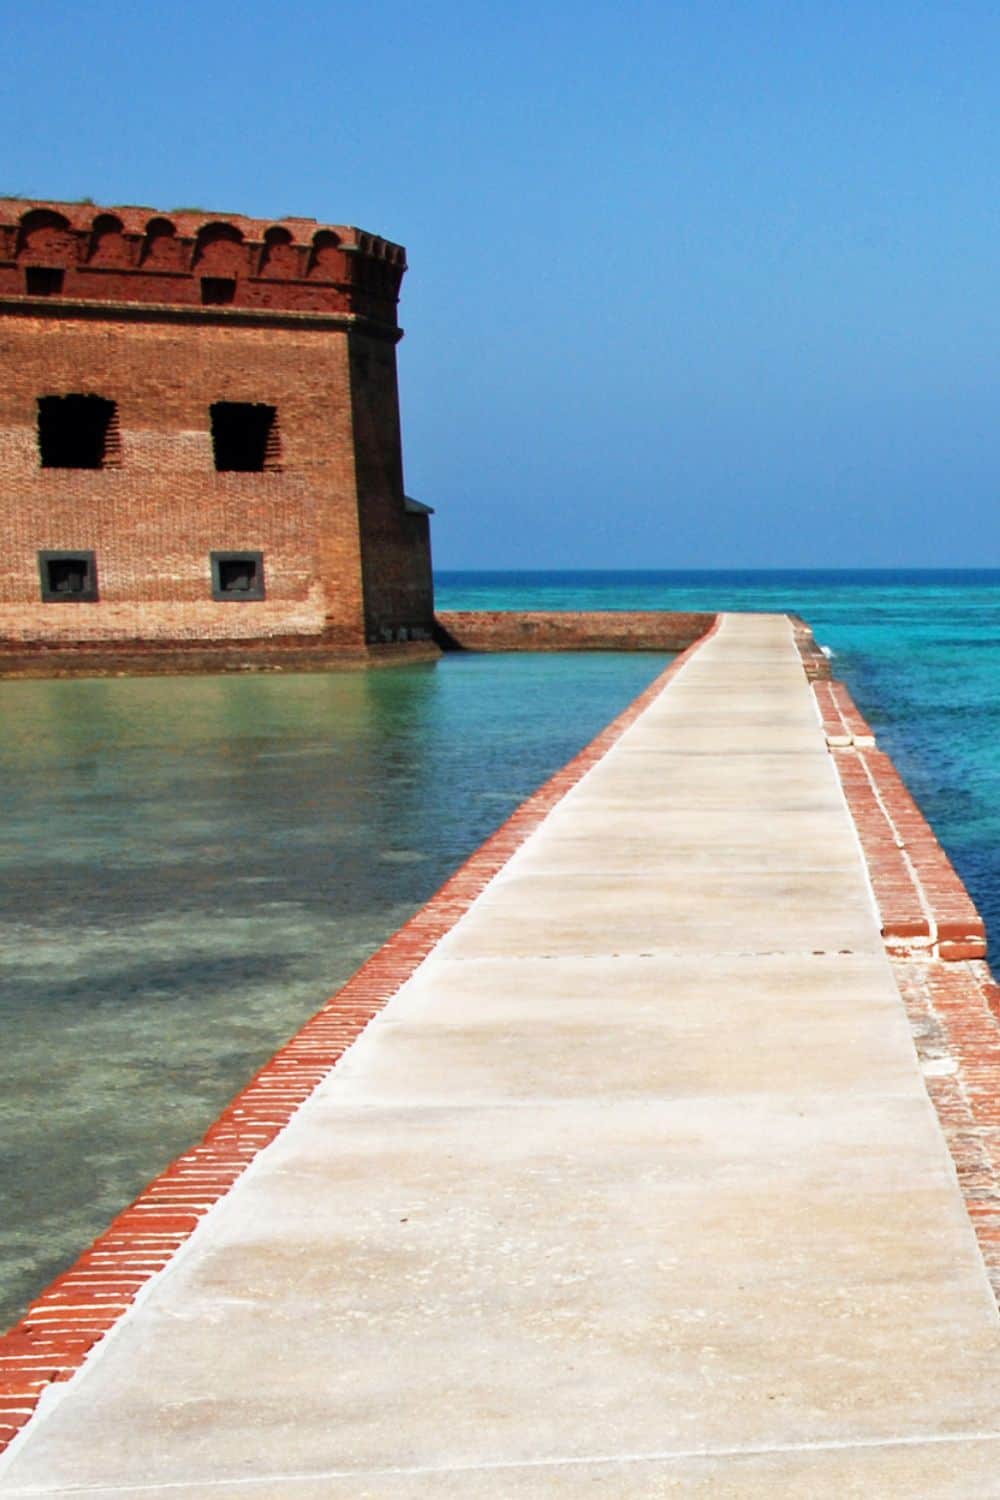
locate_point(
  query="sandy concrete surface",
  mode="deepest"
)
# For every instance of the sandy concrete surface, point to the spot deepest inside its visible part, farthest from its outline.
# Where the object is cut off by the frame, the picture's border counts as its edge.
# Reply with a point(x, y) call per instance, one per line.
point(633, 1190)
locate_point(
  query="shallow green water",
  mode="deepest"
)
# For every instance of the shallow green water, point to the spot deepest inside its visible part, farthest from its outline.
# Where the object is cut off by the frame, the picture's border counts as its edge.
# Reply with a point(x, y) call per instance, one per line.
point(191, 865)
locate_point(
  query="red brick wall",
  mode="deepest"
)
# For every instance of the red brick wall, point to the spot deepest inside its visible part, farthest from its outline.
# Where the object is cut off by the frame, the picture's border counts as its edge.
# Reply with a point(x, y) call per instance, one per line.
point(145, 256)
point(395, 544)
point(154, 519)
point(339, 549)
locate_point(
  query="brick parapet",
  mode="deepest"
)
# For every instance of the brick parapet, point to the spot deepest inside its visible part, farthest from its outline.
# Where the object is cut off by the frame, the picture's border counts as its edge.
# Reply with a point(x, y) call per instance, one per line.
point(62, 1326)
point(141, 256)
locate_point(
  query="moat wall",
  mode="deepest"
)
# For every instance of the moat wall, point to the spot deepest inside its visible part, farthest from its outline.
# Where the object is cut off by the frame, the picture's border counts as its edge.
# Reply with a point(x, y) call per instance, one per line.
point(472, 630)
point(570, 630)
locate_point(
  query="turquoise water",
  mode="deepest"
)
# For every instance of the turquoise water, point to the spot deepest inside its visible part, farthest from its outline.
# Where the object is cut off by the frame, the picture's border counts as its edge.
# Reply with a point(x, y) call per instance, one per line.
point(190, 866)
point(919, 650)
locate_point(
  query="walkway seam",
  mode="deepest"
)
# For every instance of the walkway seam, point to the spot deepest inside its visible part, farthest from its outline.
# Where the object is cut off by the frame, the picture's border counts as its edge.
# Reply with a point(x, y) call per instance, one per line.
point(610, 1460)
point(66, 1323)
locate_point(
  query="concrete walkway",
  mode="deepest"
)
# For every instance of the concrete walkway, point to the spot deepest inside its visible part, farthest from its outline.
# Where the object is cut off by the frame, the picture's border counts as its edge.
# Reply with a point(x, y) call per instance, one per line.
point(634, 1189)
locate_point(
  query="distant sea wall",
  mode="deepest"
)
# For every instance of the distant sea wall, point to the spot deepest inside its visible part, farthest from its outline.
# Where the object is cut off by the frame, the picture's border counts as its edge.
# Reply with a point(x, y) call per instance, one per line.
point(570, 630)
point(454, 630)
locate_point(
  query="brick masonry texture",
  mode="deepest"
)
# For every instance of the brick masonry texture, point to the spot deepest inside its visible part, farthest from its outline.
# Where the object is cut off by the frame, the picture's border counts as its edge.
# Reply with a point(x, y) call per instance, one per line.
point(815, 662)
point(936, 941)
point(954, 1013)
point(568, 630)
point(143, 255)
point(924, 907)
point(61, 1327)
point(310, 330)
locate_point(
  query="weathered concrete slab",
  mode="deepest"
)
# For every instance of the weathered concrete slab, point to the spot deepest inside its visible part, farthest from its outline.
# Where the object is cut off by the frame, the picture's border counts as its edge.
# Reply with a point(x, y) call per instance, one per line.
point(509, 1283)
point(623, 841)
point(669, 779)
point(633, 1189)
point(729, 735)
point(802, 912)
point(665, 1028)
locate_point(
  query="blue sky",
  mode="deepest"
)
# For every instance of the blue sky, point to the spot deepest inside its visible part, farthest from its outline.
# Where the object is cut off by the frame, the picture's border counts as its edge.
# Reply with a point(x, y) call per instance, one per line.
point(691, 285)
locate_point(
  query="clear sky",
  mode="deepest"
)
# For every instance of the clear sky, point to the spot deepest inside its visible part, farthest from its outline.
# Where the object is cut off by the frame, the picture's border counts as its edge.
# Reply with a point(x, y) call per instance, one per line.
point(693, 284)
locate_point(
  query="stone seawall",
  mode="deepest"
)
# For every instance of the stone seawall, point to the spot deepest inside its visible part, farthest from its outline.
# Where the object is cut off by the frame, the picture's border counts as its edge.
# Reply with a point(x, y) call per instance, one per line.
point(456, 630)
point(182, 658)
point(570, 630)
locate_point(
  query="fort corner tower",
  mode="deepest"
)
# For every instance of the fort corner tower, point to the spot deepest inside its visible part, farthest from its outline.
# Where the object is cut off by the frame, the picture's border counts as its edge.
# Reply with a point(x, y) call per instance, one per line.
point(199, 435)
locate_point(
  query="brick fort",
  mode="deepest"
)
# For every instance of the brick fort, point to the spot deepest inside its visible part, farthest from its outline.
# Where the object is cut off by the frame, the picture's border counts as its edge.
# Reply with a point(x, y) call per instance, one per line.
point(199, 439)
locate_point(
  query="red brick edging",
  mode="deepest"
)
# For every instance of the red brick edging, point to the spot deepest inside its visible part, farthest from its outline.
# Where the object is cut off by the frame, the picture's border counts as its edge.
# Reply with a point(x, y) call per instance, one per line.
point(924, 906)
point(936, 942)
point(954, 1014)
point(62, 1325)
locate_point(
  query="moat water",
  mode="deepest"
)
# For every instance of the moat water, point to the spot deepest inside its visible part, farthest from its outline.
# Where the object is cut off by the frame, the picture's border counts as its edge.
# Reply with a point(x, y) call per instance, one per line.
point(191, 866)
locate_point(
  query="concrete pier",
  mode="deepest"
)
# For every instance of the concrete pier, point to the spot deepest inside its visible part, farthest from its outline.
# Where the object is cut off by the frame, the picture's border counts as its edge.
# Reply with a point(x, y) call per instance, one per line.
point(634, 1189)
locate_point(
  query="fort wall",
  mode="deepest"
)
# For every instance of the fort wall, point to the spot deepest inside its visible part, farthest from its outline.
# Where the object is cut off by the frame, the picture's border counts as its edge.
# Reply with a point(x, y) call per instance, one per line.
point(395, 540)
point(168, 321)
point(155, 517)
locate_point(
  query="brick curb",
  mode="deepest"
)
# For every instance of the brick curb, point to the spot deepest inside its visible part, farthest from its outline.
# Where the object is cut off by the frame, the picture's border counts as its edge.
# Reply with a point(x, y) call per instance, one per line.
point(925, 909)
point(936, 942)
point(954, 1014)
point(62, 1326)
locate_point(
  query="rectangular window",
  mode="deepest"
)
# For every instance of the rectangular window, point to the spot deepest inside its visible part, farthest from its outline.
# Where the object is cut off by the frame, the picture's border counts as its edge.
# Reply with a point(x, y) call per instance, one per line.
point(245, 436)
point(78, 432)
point(216, 291)
point(43, 281)
point(68, 577)
point(237, 575)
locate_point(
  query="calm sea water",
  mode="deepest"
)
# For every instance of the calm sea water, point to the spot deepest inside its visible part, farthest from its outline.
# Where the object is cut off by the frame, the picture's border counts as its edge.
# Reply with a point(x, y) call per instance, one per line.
point(189, 867)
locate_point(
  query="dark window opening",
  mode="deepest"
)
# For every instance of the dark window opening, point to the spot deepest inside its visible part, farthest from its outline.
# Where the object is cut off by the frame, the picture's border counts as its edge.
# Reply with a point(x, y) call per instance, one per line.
point(216, 291)
point(245, 436)
point(68, 577)
point(237, 575)
point(77, 432)
point(43, 281)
